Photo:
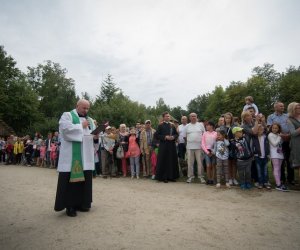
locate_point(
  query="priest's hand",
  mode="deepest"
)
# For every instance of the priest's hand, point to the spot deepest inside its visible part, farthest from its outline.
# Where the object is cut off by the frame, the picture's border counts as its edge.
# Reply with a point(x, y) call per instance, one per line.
point(85, 124)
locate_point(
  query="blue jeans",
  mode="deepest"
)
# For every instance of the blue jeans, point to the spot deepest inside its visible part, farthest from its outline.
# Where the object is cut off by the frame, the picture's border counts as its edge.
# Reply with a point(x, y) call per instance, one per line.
point(135, 161)
point(262, 169)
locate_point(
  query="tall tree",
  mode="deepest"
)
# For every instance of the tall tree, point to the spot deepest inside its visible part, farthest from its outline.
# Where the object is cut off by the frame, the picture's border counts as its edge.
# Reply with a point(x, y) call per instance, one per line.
point(289, 86)
point(18, 102)
point(108, 90)
point(272, 78)
point(56, 92)
point(198, 105)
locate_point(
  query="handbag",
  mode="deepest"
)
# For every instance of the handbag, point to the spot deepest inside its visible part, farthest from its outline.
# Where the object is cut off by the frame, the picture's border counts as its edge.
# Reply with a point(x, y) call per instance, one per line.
point(120, 152)
point(127, 154)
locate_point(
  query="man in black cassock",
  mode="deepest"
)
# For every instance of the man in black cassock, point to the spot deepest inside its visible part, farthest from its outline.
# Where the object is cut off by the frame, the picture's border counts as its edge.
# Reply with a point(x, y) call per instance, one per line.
point(167, 162)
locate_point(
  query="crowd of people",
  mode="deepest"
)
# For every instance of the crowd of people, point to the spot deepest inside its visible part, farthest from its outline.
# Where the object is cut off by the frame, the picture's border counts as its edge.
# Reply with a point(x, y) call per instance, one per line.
point(30, 152)
point(233, 151)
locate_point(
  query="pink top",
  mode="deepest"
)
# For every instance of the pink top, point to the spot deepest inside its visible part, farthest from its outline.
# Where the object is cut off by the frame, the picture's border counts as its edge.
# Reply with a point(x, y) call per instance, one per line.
point(42, 151)
point(133, 147)
point(208, 141)
point(53, 152)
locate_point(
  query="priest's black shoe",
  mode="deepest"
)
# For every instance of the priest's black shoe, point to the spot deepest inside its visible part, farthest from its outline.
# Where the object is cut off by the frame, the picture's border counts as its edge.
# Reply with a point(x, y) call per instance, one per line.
point(71, 212)
point(83, 209)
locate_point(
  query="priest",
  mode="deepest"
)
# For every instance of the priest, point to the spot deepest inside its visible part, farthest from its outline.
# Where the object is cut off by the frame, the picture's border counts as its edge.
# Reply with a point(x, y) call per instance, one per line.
point(167, 162)
point(76, 161)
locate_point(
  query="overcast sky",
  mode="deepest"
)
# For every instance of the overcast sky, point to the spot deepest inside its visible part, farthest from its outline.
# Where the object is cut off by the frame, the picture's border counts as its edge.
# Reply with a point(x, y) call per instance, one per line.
point(153, 48)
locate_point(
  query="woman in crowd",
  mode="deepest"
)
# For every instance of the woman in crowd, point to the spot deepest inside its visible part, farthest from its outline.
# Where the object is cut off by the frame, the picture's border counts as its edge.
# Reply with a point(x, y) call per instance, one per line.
point(134, 153)
point(294, 127)
point(123, 142)
point(228, 126)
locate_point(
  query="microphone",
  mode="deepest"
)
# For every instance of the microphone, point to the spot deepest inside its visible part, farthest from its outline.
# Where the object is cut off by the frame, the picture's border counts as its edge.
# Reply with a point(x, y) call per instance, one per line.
point(88, 123)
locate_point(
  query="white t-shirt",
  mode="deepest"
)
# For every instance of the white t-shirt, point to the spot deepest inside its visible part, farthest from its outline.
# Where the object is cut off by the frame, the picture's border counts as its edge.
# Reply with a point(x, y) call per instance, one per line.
point(275, 146)
point(193, 134)
point(181, 133)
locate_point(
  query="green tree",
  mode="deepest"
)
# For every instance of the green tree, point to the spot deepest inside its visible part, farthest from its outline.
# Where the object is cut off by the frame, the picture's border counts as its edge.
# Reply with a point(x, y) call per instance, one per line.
point(108, 90)
point(215, 106)
point(234, 98)
point(198, 105)
point(56, 92)
point(272, 78)
point(19, 103)
point(178, 112)
point(289, 86)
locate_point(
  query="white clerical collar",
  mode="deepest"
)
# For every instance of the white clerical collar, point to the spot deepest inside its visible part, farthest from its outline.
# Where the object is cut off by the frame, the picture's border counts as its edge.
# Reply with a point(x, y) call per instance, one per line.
point(166, 122)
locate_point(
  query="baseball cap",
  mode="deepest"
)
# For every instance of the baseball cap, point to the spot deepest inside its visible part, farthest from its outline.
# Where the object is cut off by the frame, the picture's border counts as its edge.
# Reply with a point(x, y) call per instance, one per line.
point(236, 129)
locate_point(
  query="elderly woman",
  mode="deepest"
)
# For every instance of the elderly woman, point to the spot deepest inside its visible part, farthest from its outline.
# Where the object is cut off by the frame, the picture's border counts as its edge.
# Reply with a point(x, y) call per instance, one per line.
point(123, 141)
point(294, 127)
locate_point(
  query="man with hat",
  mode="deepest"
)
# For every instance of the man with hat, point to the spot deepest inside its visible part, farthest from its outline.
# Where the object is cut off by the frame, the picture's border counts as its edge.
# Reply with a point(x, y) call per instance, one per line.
point(107, 147)
point(146, 139)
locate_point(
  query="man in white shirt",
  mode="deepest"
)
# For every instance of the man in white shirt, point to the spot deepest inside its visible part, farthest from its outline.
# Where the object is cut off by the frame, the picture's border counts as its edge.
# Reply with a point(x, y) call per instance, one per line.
point(181, 140)
point(193, 135)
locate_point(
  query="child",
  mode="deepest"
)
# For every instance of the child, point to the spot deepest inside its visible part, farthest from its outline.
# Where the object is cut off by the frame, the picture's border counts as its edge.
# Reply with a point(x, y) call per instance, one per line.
point(28, 152)
point(208, 142)
point(250, 103)
point(53, 154)
point(42, 157)
point(276, 154)
point(222, 153)
point(155, 145)
point(244, 157)
point(134, 154)
point(261, 151)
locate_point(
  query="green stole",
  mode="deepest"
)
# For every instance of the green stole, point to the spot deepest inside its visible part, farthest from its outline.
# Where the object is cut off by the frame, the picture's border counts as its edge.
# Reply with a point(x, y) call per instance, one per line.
point(76, 167)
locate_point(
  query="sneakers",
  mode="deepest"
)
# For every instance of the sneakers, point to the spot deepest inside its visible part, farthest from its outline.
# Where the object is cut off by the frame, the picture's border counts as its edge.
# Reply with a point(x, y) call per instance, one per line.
point(189, 180)
point(267, 185)
point(218, 185)
point(230, 182)
point(228, 185)
point(260, 187)
point(248, 186)
point(235, 182)
point(153, 177)
point(137, 177)
point(282, 188)
point(132, 177)
point(202, 180)
point(256, 184)
point(243, 186)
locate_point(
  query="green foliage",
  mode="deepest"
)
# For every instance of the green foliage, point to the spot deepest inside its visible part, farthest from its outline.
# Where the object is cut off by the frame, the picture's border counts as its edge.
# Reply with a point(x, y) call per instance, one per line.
point(178, 112)
point(234, 98)
point(289, 86)
point(215, 105)
point(19, 103)
point(108, 90)
point(198, 105)
point(56, 92)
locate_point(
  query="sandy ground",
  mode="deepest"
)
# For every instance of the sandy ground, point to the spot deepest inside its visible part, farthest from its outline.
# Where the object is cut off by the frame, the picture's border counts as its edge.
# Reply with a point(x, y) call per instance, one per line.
point(144, 214)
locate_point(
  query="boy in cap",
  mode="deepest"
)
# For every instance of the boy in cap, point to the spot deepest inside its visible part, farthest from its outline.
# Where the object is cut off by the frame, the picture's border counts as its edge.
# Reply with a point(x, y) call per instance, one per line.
point(244, 157)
